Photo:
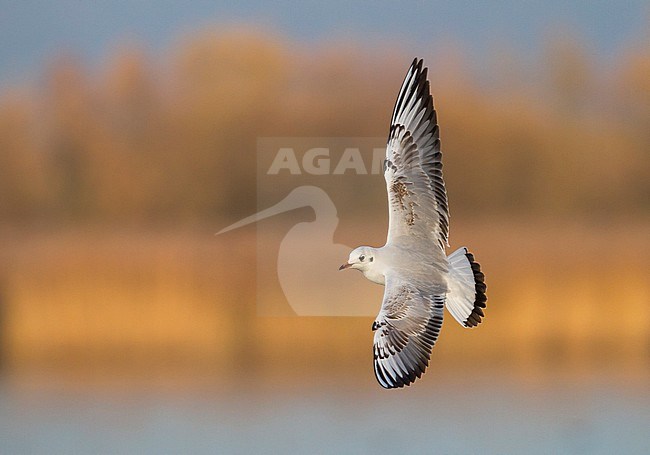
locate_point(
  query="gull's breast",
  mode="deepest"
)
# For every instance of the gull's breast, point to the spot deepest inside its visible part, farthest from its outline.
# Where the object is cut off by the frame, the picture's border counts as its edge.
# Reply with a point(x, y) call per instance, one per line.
point(375, 276)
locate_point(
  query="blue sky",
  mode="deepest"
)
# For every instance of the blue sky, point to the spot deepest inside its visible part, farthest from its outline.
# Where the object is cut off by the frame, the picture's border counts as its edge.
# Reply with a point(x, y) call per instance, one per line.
point(30, 31)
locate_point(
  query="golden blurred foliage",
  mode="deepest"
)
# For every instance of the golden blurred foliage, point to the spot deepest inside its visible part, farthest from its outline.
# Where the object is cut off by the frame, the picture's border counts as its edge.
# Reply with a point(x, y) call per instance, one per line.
point(144, 142)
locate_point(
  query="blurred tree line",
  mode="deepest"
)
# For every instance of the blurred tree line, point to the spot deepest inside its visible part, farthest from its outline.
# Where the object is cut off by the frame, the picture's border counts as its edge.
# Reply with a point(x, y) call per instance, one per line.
point(174, 141)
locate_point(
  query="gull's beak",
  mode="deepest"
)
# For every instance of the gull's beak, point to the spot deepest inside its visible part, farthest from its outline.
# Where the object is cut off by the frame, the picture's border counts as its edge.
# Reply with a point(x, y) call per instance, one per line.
point(347, 265)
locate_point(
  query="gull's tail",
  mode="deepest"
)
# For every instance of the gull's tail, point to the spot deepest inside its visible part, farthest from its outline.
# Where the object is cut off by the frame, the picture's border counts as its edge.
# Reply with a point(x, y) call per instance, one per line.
point(466, 288)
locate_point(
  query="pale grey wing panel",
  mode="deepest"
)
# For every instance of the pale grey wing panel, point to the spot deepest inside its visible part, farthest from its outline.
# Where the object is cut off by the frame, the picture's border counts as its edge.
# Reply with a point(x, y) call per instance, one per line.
point(414, 116)
point(411, 203)
point(406, 330)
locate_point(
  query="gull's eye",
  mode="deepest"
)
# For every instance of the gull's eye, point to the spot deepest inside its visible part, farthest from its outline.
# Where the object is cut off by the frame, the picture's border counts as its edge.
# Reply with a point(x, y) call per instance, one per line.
point(372, 259)
point(361, 258)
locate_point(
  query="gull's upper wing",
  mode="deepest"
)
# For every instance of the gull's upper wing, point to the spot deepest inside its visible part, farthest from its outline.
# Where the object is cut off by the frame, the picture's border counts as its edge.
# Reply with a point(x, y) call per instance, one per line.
point(406, 329)
point(417, 197)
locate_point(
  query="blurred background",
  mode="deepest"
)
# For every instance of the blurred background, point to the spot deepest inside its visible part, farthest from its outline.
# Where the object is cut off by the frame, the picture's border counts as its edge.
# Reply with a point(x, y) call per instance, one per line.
point(128, 136)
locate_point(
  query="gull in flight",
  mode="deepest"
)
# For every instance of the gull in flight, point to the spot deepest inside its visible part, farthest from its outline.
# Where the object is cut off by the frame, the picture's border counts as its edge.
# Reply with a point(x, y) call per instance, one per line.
point(419, 278)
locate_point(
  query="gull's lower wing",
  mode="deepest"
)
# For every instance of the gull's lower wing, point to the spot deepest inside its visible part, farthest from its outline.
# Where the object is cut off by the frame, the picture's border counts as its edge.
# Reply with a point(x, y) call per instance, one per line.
point(413, 168)
point(406, 329)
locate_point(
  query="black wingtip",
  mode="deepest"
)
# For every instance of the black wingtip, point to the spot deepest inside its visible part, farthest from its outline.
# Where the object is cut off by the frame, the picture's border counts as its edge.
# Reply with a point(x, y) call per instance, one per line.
point(417, 66)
